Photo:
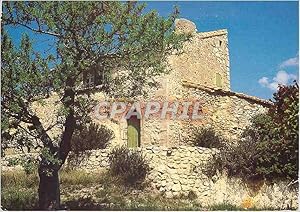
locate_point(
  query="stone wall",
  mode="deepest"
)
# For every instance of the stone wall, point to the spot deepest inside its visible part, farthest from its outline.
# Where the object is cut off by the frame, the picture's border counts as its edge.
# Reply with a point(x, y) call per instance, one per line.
point(229, 113)
point(182, 171)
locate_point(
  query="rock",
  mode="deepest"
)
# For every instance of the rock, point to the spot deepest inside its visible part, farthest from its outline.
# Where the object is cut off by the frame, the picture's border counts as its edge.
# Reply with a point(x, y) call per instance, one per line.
point(169, 194)
point(176, 187)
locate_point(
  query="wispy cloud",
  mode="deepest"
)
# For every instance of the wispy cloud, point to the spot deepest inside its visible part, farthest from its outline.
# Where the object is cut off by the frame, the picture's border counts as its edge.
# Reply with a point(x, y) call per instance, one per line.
point(294, 61)
point(282, 78)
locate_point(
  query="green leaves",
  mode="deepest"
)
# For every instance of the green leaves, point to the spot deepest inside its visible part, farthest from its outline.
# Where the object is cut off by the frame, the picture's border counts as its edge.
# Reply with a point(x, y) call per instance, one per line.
point(105, 38)
point(117, 35)
point(269, 146)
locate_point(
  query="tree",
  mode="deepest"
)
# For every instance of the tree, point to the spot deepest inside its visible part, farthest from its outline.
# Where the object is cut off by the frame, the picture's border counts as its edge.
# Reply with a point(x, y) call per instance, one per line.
point(113, 35)
point(269, 146)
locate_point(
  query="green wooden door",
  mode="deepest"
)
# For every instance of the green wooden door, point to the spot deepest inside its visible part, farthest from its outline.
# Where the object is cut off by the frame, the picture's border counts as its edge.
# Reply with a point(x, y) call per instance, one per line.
point(133, 132)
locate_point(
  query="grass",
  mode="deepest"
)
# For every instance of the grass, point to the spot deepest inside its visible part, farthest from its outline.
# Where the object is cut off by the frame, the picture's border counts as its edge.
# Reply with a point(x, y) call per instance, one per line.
point(18, 191)
point(92, 191)
point(73, 177)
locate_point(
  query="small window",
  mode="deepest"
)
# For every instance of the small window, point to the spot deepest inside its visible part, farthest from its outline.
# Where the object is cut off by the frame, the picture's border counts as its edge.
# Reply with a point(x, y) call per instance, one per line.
point(89, 80)
point(220, 43)
point(93, 78)
point(218, 80)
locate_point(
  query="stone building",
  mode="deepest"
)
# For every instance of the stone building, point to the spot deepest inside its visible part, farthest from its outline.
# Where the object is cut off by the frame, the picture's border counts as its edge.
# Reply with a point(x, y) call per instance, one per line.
point(201, 73)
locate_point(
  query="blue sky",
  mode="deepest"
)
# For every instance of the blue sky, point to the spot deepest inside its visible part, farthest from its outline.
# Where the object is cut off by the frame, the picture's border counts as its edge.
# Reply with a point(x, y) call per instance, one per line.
point(263, 39)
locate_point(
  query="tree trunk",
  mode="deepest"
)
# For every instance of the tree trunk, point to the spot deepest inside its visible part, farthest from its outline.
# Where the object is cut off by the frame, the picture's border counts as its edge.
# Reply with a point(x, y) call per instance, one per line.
point(49, 193)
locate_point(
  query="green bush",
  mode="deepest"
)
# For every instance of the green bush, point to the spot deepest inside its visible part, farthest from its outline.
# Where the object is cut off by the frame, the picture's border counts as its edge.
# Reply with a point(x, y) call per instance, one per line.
point(17, 198)
point(206, 137)
point(91, 136)
point(19, 190)
point(239, 160)
point(28, 163)
point(130, 166)
point(269, 146)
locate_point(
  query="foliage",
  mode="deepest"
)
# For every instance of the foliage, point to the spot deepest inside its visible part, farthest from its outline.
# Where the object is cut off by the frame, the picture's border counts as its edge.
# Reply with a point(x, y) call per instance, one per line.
point(239, 160)
point(90, 137)
point(28, 163)
point(269, 146)
point(18, 178)
point(18, 199)
point(230, 207)
point(206, 137)
point(130, 166)
point(285, 115)
point(103, 37)
point(285, 111)
point(276, 135)
point(18, 190)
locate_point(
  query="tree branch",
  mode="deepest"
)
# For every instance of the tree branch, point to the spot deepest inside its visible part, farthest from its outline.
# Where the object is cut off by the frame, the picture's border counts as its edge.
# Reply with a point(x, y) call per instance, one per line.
point(37, 30)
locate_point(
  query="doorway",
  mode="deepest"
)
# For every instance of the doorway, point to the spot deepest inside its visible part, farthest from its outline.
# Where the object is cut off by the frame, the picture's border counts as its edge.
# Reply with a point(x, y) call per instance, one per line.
point(133, 132)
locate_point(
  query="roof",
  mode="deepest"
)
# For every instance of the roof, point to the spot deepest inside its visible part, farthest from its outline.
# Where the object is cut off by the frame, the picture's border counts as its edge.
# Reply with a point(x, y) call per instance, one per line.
point(221, 92)
point(210, 34)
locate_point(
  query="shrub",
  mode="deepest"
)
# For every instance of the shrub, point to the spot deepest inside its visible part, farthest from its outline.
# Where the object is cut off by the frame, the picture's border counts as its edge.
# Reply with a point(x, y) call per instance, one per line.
point(239, 160)
point(28, 163)
point(19, 190)
point(206, 137)
point(269, 146)
point(17, 198)
point(130, 166)
point(285, 115)
point(90, 137)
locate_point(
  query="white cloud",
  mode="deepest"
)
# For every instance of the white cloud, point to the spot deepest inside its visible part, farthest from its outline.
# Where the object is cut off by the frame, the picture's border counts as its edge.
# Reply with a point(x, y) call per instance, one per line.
point(263, 81)
point(294, 61)
point(282, 78)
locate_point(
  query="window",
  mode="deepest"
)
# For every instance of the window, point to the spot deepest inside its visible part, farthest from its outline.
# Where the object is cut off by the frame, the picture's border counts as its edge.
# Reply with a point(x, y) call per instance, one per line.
point(218, 80)
point(89, 80)
point(92, 78)
point(220, 43)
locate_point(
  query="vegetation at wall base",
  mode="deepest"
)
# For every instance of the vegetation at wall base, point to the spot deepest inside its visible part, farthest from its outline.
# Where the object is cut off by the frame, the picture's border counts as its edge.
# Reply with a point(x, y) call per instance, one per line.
point(206, 137)
point(269, 147)
point(90, 137)
point(94, 191)
point(129, 165)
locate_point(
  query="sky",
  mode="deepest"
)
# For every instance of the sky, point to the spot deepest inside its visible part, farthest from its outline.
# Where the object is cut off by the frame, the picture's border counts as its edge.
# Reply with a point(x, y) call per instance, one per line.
point(263, 39)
